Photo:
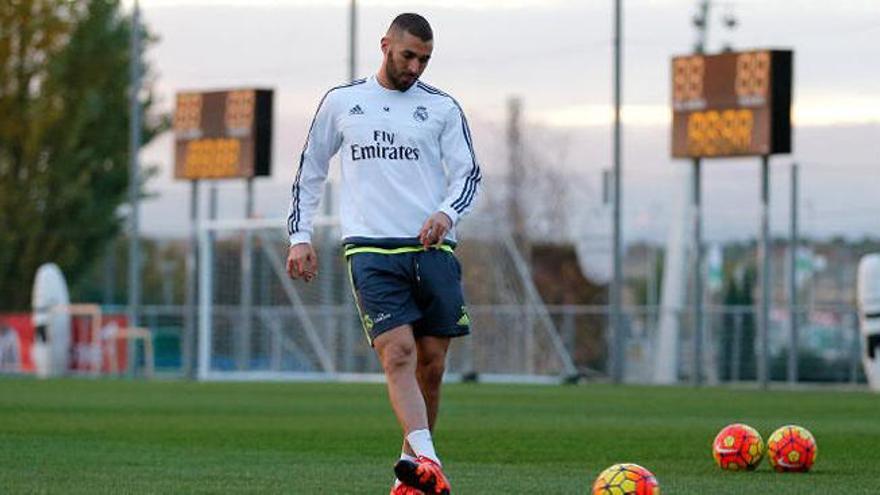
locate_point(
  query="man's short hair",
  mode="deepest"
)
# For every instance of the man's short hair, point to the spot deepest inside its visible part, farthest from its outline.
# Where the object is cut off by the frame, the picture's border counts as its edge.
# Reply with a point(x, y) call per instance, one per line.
point(413, 24)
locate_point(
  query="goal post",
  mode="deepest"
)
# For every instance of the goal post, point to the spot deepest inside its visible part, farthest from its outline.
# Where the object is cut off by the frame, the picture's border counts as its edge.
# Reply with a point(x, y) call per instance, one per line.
point(299, 331)
point(283, 319)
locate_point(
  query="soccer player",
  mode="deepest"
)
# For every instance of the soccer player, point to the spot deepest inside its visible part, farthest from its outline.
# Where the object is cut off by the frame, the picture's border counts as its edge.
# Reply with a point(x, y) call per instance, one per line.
point(409, 173)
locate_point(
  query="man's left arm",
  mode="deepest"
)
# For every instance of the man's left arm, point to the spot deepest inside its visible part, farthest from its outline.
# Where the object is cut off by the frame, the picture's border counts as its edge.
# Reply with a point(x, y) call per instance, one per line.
point(462, 168)
point(463, 174)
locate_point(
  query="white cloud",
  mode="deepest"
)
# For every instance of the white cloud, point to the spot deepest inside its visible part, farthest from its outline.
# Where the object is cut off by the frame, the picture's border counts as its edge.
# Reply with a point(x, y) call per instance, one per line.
point(602, 115)
point(836, 110)
point(819, 111)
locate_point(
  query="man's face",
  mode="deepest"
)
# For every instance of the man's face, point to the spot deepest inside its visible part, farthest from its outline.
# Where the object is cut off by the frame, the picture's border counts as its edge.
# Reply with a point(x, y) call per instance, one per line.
point(406, 57)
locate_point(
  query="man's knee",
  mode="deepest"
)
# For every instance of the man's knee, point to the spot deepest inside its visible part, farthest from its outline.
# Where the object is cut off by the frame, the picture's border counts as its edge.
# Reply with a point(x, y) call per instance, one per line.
point(431, 369)
point(398, 355)
point(396, 349)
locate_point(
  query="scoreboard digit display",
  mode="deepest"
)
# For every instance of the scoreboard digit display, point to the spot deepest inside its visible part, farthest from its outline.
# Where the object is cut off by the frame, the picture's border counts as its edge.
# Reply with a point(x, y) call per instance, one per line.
point(223, 134)
point(731, 104)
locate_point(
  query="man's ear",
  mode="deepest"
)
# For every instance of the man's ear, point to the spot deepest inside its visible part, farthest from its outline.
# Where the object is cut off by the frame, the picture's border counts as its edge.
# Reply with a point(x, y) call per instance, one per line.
point(384, 44)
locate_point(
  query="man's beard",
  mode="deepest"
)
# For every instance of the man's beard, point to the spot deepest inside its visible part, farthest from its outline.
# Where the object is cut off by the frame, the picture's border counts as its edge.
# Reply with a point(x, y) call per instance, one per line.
point(395, 79)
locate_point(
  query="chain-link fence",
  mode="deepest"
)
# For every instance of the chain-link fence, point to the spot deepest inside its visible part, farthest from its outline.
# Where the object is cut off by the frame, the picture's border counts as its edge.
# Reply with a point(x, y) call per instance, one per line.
point(828, 342)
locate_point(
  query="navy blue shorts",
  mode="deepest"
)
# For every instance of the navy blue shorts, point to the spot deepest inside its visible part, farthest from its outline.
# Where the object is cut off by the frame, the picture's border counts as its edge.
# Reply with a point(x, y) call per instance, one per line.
point(394, 287)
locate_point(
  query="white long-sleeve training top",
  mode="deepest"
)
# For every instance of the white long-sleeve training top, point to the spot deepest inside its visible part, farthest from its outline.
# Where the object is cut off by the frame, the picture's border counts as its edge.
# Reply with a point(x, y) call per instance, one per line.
point(405, 155)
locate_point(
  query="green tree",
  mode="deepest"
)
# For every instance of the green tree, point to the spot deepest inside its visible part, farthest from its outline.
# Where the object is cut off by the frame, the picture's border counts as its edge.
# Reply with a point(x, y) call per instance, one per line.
point(64, 119)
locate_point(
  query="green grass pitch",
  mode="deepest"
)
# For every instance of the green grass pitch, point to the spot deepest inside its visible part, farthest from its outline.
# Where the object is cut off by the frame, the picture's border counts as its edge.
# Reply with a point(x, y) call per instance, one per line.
point(117, 436)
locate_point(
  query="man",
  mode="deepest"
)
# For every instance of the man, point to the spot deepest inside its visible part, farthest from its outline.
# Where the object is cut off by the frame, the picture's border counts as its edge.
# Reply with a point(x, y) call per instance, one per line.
point(409, 174)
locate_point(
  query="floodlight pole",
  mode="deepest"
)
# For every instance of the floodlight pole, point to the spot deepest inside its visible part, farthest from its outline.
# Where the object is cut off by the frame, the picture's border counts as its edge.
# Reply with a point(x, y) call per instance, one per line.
point(764, 267)
point(190, 315)
point(213, 206)
point(515, 175)
point(792, 279)
point(134, 146)
point(697, 274)
point(697, 218)
point(702, 24)
point(243, 345)
point(616, 293)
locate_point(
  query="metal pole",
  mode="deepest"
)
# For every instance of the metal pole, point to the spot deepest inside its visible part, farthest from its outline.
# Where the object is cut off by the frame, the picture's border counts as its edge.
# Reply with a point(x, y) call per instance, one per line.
point(205, 291)
point(327, 283)
point(697, 274)
point(792, 280)
point(515, 175)
point(764, 259)
point(352, 41)
point(243, 346)
point(702, 25)
point(213, 214)
point(616, 294)
point(206, 288)
point(190, 315)
point(134, 146)
point(213, 198)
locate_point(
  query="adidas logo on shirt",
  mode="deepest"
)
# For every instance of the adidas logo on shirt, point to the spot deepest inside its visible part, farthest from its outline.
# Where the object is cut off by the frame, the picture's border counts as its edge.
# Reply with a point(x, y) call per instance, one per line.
point(356, 110)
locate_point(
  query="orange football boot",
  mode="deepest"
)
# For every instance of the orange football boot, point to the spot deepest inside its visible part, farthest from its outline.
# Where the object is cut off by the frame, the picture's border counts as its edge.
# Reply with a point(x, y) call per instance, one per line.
point(402, 489)
point(423, 474)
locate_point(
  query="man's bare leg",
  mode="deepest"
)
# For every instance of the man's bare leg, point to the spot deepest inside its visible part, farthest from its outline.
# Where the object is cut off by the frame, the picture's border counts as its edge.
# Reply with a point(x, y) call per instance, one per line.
point(399, 356)
point(431, 364)
point(397, 353)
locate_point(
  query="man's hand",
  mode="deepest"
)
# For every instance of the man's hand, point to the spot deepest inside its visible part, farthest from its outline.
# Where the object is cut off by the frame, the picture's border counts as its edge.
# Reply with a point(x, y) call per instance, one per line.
point(434, 230)
point(302, 262)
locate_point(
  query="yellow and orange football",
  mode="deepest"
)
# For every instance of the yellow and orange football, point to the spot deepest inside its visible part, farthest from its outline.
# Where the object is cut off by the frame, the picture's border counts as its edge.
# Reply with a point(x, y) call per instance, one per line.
point(792, 448)
point(738, 447)
point(626, 479)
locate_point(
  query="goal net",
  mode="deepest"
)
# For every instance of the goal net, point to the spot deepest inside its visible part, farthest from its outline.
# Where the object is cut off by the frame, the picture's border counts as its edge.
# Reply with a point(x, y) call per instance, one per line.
point(255, 323)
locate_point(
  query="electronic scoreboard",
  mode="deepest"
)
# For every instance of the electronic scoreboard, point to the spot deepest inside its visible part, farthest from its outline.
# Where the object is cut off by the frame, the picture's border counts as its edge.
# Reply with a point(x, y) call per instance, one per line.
point(731, 104)
point(223, 134)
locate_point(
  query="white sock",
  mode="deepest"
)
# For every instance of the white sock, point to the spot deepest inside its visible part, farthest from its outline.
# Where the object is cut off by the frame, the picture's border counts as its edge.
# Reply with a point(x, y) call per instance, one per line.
point(422, 445)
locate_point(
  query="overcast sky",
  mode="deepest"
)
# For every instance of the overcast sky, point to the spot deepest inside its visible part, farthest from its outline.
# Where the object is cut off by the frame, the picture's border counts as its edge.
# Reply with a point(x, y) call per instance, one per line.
point(556, 55)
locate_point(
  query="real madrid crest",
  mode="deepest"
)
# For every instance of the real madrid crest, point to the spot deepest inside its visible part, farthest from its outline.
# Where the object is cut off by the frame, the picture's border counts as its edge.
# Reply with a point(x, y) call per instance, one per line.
point(421, 114)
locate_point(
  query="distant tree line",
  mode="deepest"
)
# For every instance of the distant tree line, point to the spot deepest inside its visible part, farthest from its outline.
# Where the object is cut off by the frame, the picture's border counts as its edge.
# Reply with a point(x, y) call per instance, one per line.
point(64, 127)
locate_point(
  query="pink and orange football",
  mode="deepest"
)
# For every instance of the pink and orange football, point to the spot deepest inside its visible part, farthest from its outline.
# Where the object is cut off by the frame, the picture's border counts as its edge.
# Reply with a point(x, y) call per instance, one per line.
point(626, 479)
point(738, 447)
point(792, 449)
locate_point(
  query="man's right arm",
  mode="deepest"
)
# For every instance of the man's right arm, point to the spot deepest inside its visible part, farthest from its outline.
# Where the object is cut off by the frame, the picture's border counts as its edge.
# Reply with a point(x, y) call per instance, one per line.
point(321, 144)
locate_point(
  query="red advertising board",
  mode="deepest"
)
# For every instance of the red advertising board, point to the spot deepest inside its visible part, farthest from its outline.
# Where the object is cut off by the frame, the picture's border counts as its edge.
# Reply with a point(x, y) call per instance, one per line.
point(23, 328)
point(83, 346)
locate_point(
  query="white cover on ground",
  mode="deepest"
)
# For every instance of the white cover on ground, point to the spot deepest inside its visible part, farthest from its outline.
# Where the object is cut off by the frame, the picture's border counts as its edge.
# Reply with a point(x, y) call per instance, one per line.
point(50, 291)
point(674, 291)
point(869, 303)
